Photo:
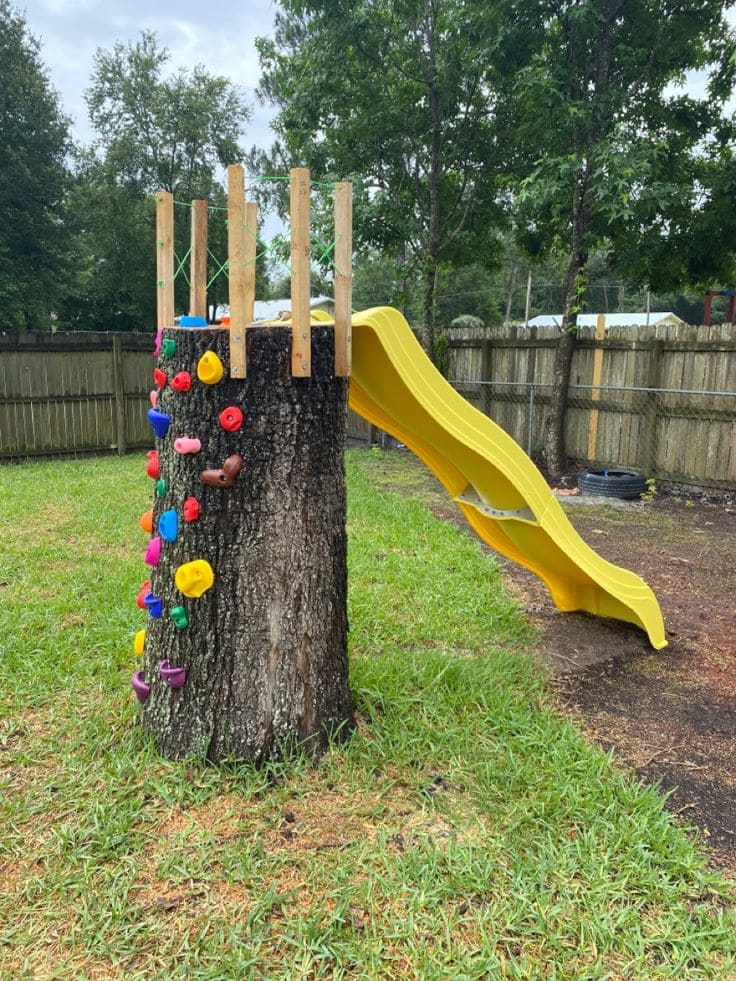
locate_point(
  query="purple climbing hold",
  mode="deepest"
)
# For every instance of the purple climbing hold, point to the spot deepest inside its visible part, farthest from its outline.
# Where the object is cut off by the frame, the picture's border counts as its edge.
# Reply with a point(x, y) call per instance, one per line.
point(141, 689)
point(174, 677)
point(160, 422)
point(154, 605)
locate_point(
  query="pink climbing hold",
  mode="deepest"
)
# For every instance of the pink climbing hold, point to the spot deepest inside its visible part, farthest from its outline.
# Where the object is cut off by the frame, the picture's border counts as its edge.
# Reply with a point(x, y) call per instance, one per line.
point(153, 552)
point(185, 444)
point(153, 396)
point(141, 689)
point(159, 339)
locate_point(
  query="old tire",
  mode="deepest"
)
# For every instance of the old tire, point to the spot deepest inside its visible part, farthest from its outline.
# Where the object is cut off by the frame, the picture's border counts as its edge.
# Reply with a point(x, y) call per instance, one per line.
point(625, 484)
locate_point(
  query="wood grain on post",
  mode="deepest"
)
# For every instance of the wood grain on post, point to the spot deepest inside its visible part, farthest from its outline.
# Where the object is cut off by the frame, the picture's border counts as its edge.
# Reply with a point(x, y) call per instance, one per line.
point(236, 267)
point(600, 333)
point(301, 348)
point(165, 258)
point(251, 248)
point(343, 277)
point(198, 260)
point(118, 381)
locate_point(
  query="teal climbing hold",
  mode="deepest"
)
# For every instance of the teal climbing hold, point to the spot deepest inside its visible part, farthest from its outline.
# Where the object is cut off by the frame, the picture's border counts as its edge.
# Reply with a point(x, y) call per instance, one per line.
point(168, 525)
point(161, 487)
point(168, 347)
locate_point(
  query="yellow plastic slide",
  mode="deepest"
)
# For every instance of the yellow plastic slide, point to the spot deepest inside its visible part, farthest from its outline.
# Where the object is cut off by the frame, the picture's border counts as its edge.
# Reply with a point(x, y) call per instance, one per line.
point(499, 490)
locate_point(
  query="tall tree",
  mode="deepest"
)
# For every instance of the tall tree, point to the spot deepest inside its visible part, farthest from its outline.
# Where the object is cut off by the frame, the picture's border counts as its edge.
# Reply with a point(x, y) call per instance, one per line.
point(154, 130)
point(611, 143)
point(402, 95)
point(35, 140)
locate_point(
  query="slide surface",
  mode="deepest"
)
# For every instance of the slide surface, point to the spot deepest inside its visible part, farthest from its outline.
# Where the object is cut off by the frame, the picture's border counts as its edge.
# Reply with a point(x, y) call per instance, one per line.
point(499, 490)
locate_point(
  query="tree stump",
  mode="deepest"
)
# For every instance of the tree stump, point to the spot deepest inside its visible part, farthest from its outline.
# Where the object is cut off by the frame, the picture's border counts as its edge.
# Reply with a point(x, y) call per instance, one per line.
point(264, 647)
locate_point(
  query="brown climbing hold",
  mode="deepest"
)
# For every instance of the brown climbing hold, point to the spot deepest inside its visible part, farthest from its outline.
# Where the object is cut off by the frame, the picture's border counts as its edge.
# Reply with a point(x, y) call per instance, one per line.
point(226, 476)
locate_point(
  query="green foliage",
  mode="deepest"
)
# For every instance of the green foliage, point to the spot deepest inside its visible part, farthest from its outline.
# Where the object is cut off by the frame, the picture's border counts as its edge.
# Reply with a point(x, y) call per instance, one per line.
point(34, 248)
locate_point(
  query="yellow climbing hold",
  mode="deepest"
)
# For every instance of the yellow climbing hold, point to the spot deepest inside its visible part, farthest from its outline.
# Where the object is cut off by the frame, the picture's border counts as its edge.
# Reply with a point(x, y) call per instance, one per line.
point(209, 368)
point(138, 641)
point(194, 578)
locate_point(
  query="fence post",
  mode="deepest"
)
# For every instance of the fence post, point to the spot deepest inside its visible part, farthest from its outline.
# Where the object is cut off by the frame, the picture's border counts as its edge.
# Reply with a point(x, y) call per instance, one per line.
point(600, 333)
point(118, 383)
point(649, 441)
point(486, 367)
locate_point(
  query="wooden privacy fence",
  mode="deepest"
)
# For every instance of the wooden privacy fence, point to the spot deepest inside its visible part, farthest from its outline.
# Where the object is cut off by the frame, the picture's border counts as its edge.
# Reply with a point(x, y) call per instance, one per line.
point(660, 399)
point(74, 393)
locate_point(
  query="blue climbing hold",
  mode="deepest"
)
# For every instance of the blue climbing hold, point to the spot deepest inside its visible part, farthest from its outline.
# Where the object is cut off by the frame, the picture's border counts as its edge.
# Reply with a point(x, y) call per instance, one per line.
point(192, 322)
point(154, 606)
point(159, 421)
point(168, 525)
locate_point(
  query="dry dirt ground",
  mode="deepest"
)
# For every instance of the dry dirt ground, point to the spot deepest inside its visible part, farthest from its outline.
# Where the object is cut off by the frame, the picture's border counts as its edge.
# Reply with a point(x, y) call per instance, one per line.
point(669, 715)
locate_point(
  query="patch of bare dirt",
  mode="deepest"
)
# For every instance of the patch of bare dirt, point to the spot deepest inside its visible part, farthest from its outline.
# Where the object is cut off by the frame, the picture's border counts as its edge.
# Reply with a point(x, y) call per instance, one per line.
point(669, 715)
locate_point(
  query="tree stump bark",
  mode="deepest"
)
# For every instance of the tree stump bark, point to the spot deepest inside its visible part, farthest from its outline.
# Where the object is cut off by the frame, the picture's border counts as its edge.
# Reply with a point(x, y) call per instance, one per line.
point(264, 647)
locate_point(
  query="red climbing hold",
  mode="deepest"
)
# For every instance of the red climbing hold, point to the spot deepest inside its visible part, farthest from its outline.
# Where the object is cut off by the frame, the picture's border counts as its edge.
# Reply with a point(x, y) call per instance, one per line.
point(153, 465)
point(145, 590)
point(191, 509)
point(181, 382)
point(231, 419)
point(159, 378)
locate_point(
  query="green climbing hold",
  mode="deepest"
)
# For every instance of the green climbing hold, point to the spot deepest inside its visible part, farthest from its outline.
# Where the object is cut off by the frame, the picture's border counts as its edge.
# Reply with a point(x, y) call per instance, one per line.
point(179, 616)
point(161, 487)
point(168, 347)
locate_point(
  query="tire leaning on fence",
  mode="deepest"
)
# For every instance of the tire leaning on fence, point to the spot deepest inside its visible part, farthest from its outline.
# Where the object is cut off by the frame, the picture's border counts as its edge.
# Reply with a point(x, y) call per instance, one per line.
point(626, 484)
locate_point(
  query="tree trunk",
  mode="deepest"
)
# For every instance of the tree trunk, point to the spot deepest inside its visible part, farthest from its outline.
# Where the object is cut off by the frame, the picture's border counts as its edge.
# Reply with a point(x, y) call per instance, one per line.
point(265, 647)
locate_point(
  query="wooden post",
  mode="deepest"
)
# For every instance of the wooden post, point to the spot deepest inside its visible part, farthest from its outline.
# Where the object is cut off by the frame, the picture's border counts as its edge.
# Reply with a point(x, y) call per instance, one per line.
point(486, 370)
point(600, 333)
point(198, 260)
point(301, 348)
point(236, 267)
point(343, 278)
point(251, 248)
point(649, 437)
point(527, 306)
point(118, 381)
point(165, 258)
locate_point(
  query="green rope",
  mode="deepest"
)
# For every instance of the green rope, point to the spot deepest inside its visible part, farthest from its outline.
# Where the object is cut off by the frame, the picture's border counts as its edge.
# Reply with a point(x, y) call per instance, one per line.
point(222, 268)
point(180, 268)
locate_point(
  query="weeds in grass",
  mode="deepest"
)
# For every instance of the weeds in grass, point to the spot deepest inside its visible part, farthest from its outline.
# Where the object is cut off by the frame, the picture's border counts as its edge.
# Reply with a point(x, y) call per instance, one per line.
point(465, 831)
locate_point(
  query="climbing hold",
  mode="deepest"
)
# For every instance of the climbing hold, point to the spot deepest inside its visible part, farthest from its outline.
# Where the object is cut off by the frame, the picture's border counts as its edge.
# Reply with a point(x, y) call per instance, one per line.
point(194, 578)
point(168, 525)
point(153, 465)
point(146, 521)
point(191, 509)
point(179, 616)
point(159, 378)
point(159, 340)
point(209, 368)
point(154, 605)
point(225, 477)
point(174, 677)
point(139, 642)
point(141, 689)
point(185, 444)
point(168, 347)
point(144, 591)
point(182, 381)
point(190, 321)
point(161, 487)
point(231, 419)
point(153, 552)
point(159, 421)
point(153, 398)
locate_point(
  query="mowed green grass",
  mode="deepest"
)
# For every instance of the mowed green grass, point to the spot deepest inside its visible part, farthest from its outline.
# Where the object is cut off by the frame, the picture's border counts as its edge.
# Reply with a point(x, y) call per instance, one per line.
point(466, 831)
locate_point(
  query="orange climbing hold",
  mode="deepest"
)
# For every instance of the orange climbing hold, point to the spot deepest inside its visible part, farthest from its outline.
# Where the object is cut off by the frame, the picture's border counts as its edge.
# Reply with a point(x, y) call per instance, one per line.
point(146, 521)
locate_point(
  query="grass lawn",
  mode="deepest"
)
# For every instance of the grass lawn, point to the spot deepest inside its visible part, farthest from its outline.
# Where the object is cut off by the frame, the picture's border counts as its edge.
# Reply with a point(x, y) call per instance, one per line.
point(467, 830)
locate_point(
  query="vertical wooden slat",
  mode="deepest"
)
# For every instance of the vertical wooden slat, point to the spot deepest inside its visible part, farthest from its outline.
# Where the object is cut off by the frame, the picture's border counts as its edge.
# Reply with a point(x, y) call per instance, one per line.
point(236, 267)
point(119, 395)
point(165, 257)
point(251, 247)
point(343, 278)
point(198, 260)
point(301, 346)
point(600, 333)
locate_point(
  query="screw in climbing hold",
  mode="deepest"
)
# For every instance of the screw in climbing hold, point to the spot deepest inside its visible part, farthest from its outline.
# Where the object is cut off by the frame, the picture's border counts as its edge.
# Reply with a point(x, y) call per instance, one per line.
point(194, 578)
point(179, 615)
point(186, 444)
point(168, 525)
point(141, 689)
point(139, 642)
point(182, 381)
point(154, 605)
point(144, 591)
point(191, 509)
point(231, 419)
point(159, 378)
point(160, 422)
point(153, 551)
point(209, 368)
point(168, 347)
point(146, 521)
point(226, 476)
point(174, 677)
point(153, 464)
point(161, 487)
